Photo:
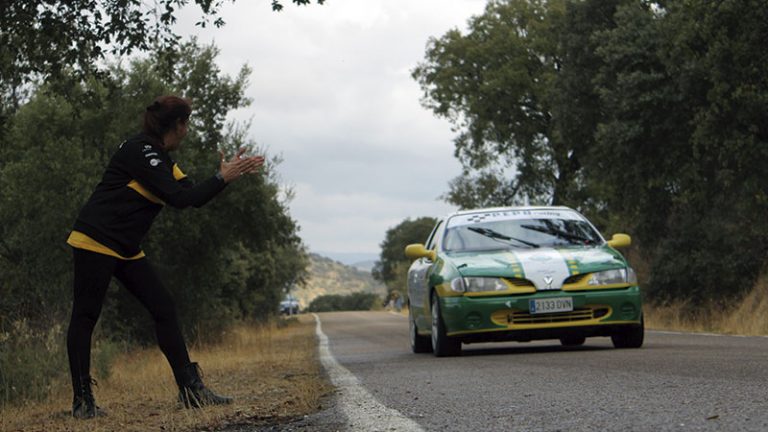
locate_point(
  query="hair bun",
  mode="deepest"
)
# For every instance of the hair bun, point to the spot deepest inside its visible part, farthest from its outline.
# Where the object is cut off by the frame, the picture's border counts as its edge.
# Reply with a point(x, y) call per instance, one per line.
point(154, 107)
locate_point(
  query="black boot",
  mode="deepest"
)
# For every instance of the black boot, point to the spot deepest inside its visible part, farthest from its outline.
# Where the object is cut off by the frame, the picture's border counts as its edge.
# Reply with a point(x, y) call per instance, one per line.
point(84, 404)
point(192, 392)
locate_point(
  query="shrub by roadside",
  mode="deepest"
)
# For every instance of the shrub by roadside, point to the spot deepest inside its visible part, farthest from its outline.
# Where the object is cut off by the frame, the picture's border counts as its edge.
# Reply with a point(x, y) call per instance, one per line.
point(747, 316)
point(349, 302)
point(30, 361)
point(273, 373)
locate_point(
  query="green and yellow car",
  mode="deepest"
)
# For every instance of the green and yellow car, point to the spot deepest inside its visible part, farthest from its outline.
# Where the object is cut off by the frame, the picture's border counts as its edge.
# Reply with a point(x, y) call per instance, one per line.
point(520, 274)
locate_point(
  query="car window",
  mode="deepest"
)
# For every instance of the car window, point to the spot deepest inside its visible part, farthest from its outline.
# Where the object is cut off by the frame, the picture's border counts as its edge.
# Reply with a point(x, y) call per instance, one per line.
point(519, 230)
point(433, 237)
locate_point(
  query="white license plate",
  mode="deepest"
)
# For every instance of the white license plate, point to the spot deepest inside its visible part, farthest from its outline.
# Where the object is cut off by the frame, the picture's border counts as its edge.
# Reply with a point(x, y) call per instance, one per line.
point(551, 305)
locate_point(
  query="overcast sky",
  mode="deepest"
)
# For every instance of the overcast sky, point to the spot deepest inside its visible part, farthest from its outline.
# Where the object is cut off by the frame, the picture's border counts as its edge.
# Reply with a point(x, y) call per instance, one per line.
point(332, 93)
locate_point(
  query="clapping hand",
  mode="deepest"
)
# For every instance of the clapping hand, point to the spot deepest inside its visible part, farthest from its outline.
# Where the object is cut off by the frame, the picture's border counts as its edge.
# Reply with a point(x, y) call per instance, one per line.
point(237, 166)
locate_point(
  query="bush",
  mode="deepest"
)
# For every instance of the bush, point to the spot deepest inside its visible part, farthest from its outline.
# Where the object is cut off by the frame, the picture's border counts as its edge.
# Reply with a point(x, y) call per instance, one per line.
point(349, 302)
point(34, 362)
point(31, 362)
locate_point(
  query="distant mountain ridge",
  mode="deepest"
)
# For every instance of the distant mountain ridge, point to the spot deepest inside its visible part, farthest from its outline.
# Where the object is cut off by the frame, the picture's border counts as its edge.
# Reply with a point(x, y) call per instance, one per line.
point(349, 258)
point(364, 265)
point(328, 276)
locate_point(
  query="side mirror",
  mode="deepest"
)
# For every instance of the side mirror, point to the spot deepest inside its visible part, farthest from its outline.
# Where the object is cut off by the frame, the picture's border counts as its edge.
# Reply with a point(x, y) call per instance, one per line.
point(417, 250)
point(620, 241)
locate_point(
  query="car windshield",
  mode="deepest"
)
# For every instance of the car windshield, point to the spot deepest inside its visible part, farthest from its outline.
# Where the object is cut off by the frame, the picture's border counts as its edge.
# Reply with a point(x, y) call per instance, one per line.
point(518, 229)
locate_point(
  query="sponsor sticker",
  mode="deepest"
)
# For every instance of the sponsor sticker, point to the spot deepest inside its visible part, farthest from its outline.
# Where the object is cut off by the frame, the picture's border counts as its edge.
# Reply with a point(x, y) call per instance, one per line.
point(155, 162)
point(500, 215)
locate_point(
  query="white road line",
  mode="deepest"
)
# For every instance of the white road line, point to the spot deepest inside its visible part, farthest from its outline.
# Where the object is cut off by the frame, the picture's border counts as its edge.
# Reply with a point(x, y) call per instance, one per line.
point(362, 410)
point(703, 334)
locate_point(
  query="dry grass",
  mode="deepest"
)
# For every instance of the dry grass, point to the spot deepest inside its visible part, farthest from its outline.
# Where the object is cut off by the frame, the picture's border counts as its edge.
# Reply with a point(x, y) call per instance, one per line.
point(272, 372)
point(748, 317)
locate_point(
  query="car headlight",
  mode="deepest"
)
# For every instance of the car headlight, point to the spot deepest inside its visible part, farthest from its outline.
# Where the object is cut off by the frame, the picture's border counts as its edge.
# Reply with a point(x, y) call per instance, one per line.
point(610, 277)
point(478, 284)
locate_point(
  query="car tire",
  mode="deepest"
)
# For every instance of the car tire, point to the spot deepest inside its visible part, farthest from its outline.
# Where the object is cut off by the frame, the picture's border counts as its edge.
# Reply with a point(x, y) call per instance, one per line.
point(631, 337)
point(442, 344)
point(419, 344)
point(572, 341)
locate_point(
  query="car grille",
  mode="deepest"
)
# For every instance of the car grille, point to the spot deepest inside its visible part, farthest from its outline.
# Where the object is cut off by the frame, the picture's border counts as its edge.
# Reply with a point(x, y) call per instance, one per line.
point(519, 282)
point(514, 318)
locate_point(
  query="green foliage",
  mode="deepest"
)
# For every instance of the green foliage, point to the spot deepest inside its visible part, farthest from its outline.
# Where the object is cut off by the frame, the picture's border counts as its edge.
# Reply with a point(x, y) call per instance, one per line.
point(349, 302)
point(647, 116)
point(686, 93)
point(397, 238)
point(230, 260)
point(49, 38)
point(104, 355)
point(516, 87)
point(28, 360)
point(277, 5)
point(392, 267)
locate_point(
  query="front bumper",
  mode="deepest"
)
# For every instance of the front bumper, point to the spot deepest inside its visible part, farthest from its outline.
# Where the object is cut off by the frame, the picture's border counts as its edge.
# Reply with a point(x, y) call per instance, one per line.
point(596, 313)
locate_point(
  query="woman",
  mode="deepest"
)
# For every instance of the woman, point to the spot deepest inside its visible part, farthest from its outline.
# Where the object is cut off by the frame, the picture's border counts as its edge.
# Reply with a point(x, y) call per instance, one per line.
point(140, 179)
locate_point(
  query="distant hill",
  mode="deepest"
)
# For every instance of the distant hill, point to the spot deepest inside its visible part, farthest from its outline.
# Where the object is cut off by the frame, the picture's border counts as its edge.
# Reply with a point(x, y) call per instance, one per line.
point(364, 265)
point(349, 258)
point(327, 276)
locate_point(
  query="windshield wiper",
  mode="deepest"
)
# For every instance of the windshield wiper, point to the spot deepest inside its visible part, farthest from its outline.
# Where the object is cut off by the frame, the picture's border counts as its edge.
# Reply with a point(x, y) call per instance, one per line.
point(499, 236)
point(558, 233)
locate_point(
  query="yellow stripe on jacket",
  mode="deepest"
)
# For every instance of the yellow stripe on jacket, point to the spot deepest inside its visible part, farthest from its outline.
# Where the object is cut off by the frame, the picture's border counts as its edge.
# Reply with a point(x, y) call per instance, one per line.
point(81, 241)
point(133, 184)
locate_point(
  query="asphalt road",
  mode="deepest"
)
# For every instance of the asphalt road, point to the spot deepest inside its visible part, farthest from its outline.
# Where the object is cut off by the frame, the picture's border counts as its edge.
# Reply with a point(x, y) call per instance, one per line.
point(676, 382)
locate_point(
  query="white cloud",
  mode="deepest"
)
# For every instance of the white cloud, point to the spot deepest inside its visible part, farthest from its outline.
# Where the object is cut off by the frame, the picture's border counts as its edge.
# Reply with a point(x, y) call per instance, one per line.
point(332, 92)
point(351, 222)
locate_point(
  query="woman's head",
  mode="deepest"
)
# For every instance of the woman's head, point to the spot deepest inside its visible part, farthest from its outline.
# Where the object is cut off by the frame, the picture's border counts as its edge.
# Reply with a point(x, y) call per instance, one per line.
point(166, 119)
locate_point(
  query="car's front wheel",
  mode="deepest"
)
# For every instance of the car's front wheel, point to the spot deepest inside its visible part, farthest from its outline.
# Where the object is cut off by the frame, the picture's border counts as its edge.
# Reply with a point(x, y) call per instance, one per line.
point(630, 337)
point(419, 344)
point(442, 344)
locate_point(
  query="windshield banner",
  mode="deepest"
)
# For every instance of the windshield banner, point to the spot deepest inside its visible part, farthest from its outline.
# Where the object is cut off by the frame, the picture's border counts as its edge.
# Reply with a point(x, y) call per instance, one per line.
point(502, 215)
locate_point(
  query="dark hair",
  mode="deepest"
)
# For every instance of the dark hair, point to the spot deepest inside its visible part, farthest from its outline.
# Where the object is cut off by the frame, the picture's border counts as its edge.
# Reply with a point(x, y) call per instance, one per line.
point(164, 113)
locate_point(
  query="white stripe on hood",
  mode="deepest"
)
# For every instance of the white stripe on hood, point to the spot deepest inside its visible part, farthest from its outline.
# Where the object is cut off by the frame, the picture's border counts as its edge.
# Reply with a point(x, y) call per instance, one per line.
point(545, 267)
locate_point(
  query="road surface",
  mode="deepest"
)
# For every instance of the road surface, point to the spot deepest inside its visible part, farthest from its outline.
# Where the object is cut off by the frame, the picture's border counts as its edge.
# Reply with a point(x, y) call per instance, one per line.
point(676, 382)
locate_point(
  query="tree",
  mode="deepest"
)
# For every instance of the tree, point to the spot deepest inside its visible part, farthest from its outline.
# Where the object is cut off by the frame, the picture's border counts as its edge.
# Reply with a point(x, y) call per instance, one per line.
point(684, 138)
point(490, 84)
point(392, 267)
point(42, 38)
point(225, 262)
point(517, 87)
point(647, 116)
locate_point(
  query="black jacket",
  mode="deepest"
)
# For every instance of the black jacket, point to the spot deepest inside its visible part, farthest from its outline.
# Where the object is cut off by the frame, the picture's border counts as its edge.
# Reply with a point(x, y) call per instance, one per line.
point(139, 180)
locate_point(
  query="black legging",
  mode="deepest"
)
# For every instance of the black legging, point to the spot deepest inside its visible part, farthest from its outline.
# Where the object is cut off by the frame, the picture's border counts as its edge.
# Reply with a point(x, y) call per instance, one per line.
point(93, 272)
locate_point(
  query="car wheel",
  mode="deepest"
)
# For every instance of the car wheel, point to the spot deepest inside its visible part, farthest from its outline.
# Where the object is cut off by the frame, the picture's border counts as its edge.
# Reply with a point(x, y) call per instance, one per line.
point(419, 344)
point(572, 340)
point(442, 344)
point(631, 337)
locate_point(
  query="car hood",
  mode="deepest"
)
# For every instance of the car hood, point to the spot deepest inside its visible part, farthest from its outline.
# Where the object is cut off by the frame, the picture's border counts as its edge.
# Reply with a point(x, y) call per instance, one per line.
point(547, 268)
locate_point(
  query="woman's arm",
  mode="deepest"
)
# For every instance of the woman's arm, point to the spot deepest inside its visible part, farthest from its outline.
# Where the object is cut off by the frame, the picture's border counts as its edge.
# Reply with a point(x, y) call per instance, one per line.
point(154, 174)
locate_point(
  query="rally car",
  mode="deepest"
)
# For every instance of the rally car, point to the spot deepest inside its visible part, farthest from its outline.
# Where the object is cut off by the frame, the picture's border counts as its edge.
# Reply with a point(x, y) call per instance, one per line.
point(520, 274)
